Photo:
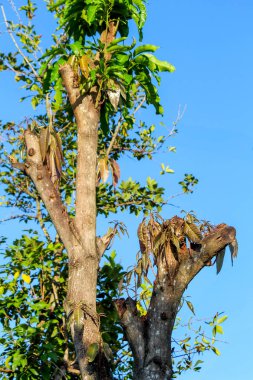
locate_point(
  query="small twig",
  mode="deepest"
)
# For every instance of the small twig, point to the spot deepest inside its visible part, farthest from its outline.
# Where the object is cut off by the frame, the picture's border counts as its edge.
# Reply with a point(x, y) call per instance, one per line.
point(41, 222)
point(114, 137)
point(72, 370)
point(5, 370)
point(14, 8)
point(17, 217)
point(55, 293)
point(120, 124)
point(139, 106)
point(16, 45)
point(14, 71)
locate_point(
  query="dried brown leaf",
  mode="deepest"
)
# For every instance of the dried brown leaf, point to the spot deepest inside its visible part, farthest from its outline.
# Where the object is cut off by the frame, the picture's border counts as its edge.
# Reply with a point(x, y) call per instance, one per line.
point(44, 142)
point(103, 170)
point(192, 232)
point(233, 249)
point(176, 242)
point(219, 260)
point(84, 64)
point(115, 172)
point(114, 96)
point(142, 235)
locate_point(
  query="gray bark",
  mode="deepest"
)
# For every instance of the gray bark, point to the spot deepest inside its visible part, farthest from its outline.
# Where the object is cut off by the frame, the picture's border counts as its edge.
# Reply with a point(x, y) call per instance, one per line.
point(149, 337)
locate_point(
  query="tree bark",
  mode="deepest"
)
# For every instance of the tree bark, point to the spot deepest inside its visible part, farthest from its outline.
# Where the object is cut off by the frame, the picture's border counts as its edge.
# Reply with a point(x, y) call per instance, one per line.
point(83, 262)
point(149, 337)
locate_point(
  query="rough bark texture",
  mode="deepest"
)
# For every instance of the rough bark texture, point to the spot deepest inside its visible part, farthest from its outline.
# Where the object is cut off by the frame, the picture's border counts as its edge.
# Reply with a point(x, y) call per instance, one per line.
point(150, 337)
point(83, 264)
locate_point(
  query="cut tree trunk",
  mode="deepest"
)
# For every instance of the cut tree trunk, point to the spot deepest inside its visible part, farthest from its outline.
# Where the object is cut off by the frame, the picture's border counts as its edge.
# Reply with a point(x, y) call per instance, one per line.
point(149, 337)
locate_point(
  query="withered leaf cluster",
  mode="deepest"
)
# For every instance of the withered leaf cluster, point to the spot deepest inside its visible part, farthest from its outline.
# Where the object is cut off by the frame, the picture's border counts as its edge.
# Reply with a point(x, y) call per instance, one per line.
point(51, 153)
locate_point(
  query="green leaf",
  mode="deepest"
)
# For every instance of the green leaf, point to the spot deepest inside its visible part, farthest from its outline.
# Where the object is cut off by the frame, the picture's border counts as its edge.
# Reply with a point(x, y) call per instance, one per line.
point(145, 48)
point(16, 275)
point(191, 307)
point(77, 48)
point(89, 14)
point(26, 278)
point(219, 329)
point(215, 350)
point(204, 340)
point(57, 4)
point(222, 319)
point(161, 65)
point(92, 352)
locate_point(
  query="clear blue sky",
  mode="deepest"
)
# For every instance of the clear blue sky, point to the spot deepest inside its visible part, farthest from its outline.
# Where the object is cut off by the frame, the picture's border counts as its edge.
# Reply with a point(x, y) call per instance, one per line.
point(211, 44)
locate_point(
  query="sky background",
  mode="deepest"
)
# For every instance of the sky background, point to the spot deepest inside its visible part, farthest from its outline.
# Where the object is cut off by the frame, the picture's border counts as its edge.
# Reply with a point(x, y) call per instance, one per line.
point(211, 44)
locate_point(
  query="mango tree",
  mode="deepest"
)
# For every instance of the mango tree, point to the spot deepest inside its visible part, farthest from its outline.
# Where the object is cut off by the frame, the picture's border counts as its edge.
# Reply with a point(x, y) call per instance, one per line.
point(61, 167)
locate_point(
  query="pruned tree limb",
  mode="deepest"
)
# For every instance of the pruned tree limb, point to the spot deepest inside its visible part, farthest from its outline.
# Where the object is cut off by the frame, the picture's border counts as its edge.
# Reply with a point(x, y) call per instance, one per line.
point(49, 194)
point(175, 270)
point(134, 329)
point(211, 244)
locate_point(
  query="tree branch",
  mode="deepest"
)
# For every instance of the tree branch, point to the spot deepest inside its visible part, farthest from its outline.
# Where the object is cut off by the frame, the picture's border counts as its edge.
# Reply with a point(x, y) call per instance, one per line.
point(116, 132)
point(16, 45)
point(134, 329)
point(41, 222)
point(211, 244)
point(40, 175)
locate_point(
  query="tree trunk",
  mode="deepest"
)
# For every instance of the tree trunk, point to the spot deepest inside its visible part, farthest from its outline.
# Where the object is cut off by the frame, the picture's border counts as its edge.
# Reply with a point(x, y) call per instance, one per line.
point(80, 303)
point(149, 337)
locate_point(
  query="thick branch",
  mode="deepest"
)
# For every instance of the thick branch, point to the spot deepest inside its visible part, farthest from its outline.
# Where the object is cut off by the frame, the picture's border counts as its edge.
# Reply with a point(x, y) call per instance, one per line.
point(175, 270)
point(49, 194)
point(134, 329)
point(211, 244)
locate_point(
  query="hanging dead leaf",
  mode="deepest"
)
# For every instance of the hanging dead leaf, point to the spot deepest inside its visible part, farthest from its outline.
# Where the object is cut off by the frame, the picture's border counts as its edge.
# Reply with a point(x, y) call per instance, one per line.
point(145, 263)
point(175, 241)
point(59, 144)
point(84, 63)
point(219, 260)
point(115, 172)
point(192, 232)
point(154, 229)
point(233, 249)
point(144, 237)
point(102, 169)
point(114, 96)
point(44, 142)
point(143, 234)
point(159, 242)
point(122, 91)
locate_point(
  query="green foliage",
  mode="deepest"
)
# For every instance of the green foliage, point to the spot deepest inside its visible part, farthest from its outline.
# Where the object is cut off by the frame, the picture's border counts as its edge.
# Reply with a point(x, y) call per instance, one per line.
point(188, 182)
point(35, 337)
point(195, 342)
point(33, 281)
point(86, 18)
